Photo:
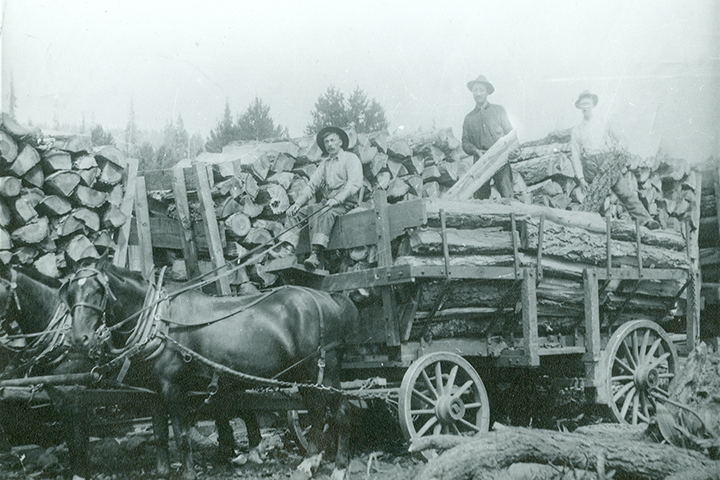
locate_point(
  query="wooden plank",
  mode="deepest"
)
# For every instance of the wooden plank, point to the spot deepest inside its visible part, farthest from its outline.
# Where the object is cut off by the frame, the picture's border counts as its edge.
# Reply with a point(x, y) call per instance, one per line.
point(183, 211)
point(212, 231)
point(382, 228)
point(484, 169)
point(593, 355)
point(167, 233)
point(371, 278)
point(143, 225)
point(528, 298)
point(694, 287)
point(164, 179)
point(126, 207)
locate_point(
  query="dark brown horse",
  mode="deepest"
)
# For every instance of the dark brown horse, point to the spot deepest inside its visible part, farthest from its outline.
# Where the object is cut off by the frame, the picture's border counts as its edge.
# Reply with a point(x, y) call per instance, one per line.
point(195, 337)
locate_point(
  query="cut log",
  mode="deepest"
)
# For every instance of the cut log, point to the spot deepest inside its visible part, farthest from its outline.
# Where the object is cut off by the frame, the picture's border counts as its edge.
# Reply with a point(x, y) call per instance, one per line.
point(228, 207)
point(540, 168)
point(284, 179)
point(55, 160)
point(48, 265)
point(89, 176)
point(13, 128)
point(416, 185)
point(86, 162)
point(62, 184)
point(383, 179)
point(367, 153)
point(6, 214)
point(31, 233)
point(270, 225)
point(26, 159)
point(113, 217)
point(400, 149)
point(230, 187)
point(5, 240)
point(484, 169)
point(397, 189)
point(110, 173)
point(23, 210)
point(75, 144)
point(238, 224)
point(80, 247)
point(623, 450)
point(251, 209)
point(88, 197)
point(414, 165)
point(112, 154)
point(103, 240)
point(8, 148)
point(283, 163)
point(448, 173)
point(34, 177)
point(25, 255)
point(379, 162)
point(71, 226)
point(257, 236)
point(10, 186)
point(431, 173)
point(528, 152)
point(53, 206)
point(274, 198)
point(90, 219)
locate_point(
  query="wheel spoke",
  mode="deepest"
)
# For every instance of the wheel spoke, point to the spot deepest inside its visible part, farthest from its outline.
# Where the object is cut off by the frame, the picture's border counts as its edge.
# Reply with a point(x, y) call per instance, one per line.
point(469, 425)
point(455, 429)
point(432, 421)
point(628, 356)
point(625, 388)
point(438, 378)
point(624, 365)
point(438, 429)
point(429, 411)
point(645, 402)
point(429, 384)
point(626, 404)
point(659, 360)
point(421, 396)
point(644, 345)
point(461, 391)
point(636, 410)
point(669, 375)
point(654, 347)
point(451, 379)
point(635, 346)
point(621, 378)
point(470, 406)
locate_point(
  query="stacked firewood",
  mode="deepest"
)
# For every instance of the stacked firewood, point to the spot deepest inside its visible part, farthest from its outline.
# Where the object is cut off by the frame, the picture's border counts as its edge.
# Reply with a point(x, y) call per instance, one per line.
point(59, 197)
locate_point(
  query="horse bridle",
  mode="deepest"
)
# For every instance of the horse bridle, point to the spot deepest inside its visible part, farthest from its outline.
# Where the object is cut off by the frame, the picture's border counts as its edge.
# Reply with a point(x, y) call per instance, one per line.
point(12, 288)
point(104, 283)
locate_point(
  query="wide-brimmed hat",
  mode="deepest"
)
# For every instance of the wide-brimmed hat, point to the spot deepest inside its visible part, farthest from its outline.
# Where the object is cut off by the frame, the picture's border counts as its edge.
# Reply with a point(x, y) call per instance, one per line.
point(481, 79)
point(320, 137)
point(586, 94)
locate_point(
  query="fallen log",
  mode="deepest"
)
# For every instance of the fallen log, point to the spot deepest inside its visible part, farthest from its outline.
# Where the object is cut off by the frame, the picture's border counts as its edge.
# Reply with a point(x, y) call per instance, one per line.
point(540, 168)
point(627, 453)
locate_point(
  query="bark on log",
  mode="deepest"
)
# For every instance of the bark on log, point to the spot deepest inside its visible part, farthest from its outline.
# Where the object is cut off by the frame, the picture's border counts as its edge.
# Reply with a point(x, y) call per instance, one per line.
point(6, 214)
point(538, 169)
point(257, 236)
point(26, 159)
point(528, 152)
point(33, 232)
point(227, 208)
point(238, 224)
point(482, 241)
point(34, 177)
point(55, 160)
point(88, 197)
point(10, 186)
point(502, 448)
point(23, 211)
point(397, 189)
point(89, 176)
point(8, 148)
point(86, 162)
point(53, 206)
point(62, 184)
point(88, 217)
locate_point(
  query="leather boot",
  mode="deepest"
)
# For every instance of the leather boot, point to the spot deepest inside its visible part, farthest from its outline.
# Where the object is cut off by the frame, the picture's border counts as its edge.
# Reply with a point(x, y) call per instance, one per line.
point(314, 261)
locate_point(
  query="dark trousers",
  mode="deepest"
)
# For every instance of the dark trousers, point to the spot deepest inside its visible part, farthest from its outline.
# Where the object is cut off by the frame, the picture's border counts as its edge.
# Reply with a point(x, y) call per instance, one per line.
point(320, 225)
point(503, 183)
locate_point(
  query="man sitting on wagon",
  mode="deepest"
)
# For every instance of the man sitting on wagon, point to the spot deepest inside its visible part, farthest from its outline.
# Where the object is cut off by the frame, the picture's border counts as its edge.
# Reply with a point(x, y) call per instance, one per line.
point(336, 181)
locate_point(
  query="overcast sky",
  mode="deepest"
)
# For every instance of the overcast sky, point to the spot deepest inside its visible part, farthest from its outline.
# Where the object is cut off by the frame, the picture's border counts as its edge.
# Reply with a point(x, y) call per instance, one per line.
point(654, 63)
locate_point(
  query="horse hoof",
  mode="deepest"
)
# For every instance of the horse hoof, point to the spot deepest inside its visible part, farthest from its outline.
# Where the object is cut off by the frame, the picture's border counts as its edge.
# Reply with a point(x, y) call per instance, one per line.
point(339, 474)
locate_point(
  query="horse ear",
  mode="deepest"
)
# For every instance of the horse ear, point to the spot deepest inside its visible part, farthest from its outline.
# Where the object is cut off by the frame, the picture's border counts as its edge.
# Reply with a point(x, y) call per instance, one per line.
point(104, 260)
point(71, 263)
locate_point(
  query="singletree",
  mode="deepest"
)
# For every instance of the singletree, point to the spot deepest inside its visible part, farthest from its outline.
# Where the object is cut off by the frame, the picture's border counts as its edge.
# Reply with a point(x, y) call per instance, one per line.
point(333, 109)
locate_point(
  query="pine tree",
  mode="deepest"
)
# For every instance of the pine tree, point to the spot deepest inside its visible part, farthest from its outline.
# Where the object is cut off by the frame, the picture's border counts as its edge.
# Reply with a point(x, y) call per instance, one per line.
point(256, 123)
point(332, 109)
point(131, 133)
point(225, 132)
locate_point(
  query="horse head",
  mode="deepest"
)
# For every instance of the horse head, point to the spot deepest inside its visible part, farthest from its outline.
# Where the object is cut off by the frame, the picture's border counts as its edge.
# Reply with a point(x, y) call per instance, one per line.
point(8, 297)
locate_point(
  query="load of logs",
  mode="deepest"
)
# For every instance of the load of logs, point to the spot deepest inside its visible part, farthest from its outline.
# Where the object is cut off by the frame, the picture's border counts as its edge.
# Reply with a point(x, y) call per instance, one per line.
point(60, 198)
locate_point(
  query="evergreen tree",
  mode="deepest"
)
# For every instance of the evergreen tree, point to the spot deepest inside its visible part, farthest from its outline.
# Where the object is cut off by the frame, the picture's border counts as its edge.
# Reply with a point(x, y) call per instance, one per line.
point(12, 102)
point(100, 137)
point(256, 123)
point(333, 109)
point(225, 132)
point(131, 133)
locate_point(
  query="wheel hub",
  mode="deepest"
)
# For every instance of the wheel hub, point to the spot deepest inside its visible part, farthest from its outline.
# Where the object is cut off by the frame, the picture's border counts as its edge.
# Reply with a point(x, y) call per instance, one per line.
point(646, 378)
point(449, 409)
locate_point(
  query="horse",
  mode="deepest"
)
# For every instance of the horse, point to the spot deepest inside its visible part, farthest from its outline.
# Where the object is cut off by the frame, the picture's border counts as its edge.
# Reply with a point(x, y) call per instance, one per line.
point(235, 340)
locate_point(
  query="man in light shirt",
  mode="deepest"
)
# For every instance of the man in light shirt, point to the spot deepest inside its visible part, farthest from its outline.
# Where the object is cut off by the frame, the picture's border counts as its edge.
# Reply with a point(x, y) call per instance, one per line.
point(336, 181)
point(590, 143)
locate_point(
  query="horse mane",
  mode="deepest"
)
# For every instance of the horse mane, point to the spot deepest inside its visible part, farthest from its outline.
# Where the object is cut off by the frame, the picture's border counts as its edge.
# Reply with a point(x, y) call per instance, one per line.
point(38, 277)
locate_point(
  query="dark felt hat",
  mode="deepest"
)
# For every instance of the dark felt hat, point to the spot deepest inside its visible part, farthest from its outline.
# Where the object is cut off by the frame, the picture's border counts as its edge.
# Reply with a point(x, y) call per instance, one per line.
point(481, 79)
point(586, 94)
point(320, 138)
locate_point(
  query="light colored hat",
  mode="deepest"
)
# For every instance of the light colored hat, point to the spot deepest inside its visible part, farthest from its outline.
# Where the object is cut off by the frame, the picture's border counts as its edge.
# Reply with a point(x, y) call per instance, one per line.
point(483, 80)
point(586, 94)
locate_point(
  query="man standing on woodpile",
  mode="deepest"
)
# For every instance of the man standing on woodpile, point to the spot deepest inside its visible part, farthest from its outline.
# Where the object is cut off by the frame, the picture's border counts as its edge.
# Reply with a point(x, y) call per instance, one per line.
point(592, 143)
point(481, 129)
point(337, 180)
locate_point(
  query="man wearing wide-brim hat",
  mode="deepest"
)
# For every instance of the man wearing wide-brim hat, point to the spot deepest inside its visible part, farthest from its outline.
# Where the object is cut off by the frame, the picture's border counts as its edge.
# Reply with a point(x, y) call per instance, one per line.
point(481, 129)
point(592, 143)
point(336, 182)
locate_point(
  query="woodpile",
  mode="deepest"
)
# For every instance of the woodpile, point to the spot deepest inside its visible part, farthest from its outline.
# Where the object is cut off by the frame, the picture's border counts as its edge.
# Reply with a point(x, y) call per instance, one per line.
point(709, 245)
point(59, 197)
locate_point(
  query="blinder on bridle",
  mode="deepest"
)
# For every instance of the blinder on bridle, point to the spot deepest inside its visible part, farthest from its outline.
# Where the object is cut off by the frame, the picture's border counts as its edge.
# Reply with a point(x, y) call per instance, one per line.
point(81, 276)
point(11, 286)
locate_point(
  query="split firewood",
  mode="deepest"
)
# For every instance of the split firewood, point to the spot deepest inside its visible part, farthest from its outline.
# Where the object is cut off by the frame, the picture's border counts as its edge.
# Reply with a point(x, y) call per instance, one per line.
point(283, 163)
point(85, 162)
point(284, 179)
point(238, 224)
point(23, 210)
point(416, 185)
point(90, 219)
point(8, 148)
point(257, 236)
point(25, 254)
point(528, 152)
point(88, 197)
point(89, 176)
point(113, 217)
point(448, 173)
point(55, 160)
point(6, 214)
point(379, 163)
point(112, 164)
point(538, 169)
point(26, 159)
point(34, 177)
point(80, 247)
point(10, 186)
point(397, 189)
point(227, 208)
point(383, 179)
point(47, 265)
point(71, 225)
point(274, 198)
point(231, 187)
point(53, 206)
point(32, 232)
point(62, 184)
point(5, 240)
point(103, 240)
point(367, 153)
point(250, 208)
point(399, 148)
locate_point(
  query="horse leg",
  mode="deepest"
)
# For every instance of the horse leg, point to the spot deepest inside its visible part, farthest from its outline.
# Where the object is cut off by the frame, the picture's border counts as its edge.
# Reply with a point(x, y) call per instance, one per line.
point(314, 401)
point(181, 430)
point(253, 433)
point(226, 440)
point(341, 409)
point(162, 438)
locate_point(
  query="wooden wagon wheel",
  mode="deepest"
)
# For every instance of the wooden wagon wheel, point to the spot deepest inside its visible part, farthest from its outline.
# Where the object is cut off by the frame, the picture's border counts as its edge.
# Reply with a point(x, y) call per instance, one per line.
point(640, 363)
point(299, 424)
point(442, 393)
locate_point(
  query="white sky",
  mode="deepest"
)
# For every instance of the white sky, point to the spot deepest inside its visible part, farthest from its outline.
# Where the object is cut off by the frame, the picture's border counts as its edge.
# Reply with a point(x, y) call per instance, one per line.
point(654, 63)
